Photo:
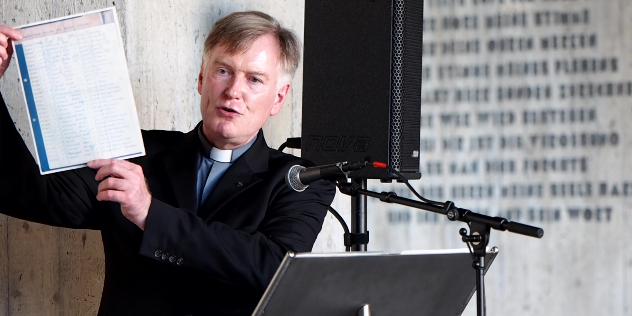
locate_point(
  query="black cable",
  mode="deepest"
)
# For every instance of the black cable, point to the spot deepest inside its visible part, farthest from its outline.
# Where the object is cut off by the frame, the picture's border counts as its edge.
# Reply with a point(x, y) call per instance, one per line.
point(410, 187)
point(471, 251)
point(342, 223)
point(295, 142)
point(292, 142)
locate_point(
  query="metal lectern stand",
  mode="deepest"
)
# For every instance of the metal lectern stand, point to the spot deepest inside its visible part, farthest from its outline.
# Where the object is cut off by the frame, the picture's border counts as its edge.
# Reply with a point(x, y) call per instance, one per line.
point(365, 283)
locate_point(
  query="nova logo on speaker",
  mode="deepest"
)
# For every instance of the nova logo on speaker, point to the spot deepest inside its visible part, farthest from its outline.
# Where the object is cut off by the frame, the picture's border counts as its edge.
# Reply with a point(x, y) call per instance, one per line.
point(356, 144)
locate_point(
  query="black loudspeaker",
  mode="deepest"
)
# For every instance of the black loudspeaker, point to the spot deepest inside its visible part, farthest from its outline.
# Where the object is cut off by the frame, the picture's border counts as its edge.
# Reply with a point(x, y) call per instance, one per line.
point(362, 84)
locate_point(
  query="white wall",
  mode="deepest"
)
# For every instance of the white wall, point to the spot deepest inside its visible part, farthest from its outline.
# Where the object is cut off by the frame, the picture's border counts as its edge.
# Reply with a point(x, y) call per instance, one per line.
point(583, 264)
point(51, 271)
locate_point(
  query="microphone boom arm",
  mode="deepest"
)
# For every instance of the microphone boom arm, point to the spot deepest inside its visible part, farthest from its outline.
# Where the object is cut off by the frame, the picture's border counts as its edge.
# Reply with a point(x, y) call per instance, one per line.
point(448, 209)
point(479, 224)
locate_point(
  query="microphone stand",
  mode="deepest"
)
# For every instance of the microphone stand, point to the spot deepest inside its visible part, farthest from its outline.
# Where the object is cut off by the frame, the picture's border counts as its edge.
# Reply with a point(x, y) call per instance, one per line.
point(480, 226)
point(358, 238)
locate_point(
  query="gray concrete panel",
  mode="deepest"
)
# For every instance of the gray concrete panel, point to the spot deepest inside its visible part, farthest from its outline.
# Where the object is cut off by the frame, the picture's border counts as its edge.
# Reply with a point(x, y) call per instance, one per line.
point(525, 115)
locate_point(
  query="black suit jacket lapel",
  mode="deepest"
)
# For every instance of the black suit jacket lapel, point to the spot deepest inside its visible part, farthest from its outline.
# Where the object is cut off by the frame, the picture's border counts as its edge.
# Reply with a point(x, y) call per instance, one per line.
point(243, 174)
point(181, 166)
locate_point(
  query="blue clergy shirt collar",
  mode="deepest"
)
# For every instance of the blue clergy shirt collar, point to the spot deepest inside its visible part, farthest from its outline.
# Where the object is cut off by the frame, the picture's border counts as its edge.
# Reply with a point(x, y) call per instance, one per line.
point(208, 175)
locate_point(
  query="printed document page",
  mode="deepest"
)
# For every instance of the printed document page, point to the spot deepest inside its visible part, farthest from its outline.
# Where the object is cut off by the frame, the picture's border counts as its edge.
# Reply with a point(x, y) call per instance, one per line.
point(77, 91)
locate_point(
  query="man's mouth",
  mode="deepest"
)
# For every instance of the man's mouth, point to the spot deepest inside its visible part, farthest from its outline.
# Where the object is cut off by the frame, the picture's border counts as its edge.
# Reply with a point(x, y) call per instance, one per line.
point(229, 110)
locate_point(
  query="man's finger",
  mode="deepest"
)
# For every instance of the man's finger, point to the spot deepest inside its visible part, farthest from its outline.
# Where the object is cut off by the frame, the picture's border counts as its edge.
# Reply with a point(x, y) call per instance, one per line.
point(4, 40)
point(6, 49)
point(116, 170)
point(112, 183)
point(111, 195)
point(4, 54)
point(11, 33)
point(114, 190)
point(109, 168)
point(99, 163)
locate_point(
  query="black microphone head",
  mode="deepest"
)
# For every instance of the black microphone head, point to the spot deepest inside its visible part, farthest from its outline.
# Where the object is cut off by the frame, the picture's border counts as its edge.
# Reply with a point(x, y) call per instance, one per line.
point(292, 179)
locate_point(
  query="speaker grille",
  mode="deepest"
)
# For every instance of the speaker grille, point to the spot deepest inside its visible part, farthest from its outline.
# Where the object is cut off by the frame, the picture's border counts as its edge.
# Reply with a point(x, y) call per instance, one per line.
point(396, 80)
point(411, 85)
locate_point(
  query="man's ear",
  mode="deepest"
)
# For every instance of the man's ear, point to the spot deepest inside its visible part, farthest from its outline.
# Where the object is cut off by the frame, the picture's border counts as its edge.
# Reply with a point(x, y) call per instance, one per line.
point(200, 79)
point(280, 98)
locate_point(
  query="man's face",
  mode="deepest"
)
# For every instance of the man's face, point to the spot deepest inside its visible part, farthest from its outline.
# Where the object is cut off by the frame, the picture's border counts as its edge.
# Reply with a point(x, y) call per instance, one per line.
point(239, 92)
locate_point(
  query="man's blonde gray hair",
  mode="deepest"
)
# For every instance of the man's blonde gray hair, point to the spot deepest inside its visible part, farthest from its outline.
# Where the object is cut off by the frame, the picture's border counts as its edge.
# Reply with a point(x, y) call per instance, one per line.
point(237, 31)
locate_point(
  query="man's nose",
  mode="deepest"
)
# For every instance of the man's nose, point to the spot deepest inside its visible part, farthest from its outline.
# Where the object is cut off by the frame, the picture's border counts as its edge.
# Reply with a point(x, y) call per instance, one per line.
point(233, 90)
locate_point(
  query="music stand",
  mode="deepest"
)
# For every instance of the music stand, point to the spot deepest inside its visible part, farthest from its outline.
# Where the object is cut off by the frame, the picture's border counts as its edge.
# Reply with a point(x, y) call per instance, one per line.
point(342, 284)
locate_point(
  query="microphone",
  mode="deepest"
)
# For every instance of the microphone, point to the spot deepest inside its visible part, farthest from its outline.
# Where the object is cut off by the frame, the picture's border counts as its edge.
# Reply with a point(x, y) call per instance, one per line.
point(299, 178)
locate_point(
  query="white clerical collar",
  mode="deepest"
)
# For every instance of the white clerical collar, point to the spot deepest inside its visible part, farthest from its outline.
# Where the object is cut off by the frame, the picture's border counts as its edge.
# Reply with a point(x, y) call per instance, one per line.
point(221, 155)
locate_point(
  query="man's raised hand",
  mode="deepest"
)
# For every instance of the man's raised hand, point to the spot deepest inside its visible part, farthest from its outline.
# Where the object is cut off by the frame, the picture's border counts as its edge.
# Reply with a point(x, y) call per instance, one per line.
point(123, 182)
point(7, 34)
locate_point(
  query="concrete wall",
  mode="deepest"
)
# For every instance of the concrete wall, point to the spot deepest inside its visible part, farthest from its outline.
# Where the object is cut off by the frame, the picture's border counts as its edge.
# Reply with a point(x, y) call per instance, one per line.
point(479, 148)
point(525, 115)
point(53, 271)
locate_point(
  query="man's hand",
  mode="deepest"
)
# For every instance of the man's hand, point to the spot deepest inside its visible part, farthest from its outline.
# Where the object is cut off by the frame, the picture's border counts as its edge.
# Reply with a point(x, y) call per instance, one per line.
point(6, 49)
point(123, 182)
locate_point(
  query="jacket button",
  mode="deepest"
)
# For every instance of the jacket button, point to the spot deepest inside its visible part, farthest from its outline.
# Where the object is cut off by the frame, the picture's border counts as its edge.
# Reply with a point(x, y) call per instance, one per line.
point(180, 261)
point(172, 259)
point(157, 253)
point(164, 256)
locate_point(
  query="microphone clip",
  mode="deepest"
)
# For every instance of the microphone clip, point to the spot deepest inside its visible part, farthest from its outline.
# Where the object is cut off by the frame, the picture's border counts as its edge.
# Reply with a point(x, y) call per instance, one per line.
point(344, 174)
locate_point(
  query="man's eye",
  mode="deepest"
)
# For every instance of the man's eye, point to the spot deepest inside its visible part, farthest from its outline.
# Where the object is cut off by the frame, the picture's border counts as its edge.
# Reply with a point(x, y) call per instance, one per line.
point(222, 71)
point(256, 80)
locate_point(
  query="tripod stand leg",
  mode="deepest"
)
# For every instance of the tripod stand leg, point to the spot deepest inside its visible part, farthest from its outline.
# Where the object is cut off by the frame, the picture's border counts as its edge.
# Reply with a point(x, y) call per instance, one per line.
point(479, 265)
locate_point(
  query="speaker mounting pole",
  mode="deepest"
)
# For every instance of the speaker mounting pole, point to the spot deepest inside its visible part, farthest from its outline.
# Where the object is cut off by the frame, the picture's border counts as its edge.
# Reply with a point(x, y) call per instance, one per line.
point(359, 233)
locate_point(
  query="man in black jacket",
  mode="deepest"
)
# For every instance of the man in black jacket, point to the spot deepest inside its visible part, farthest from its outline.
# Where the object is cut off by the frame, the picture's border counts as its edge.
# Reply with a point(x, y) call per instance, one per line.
point(200, 223)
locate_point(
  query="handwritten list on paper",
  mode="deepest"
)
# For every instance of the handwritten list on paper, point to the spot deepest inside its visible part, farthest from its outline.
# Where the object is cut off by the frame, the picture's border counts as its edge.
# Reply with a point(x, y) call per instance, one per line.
point(77, 91)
